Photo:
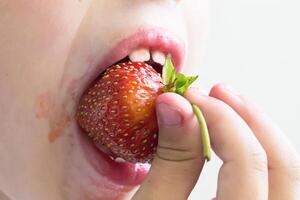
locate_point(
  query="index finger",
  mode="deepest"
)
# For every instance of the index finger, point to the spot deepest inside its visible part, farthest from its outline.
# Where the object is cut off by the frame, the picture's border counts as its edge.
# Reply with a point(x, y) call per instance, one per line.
point(283, 159)
point(244, 173)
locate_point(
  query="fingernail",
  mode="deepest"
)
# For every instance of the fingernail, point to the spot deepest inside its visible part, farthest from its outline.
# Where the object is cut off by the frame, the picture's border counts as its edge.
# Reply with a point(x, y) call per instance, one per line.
point(229, 89)
point(232, 92)
point(168, 116)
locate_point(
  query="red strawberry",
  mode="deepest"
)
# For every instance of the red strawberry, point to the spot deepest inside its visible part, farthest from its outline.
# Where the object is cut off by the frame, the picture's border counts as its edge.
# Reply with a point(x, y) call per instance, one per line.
point(118, 111)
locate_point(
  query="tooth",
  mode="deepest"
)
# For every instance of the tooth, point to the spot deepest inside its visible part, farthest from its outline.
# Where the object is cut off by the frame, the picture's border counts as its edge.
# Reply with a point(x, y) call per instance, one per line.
point(111, 157)
point(140, 55)
point(119, 160)
point(158, 57)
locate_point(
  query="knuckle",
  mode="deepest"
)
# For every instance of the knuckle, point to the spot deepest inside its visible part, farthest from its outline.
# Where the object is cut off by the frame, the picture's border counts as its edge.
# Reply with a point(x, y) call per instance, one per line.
point(259, 160)
point(175, 154)
point(294, 170)
point(288, 168)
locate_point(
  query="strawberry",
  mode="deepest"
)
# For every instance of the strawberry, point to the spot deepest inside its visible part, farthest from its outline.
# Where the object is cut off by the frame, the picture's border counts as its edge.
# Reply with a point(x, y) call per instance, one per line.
point(118, 110)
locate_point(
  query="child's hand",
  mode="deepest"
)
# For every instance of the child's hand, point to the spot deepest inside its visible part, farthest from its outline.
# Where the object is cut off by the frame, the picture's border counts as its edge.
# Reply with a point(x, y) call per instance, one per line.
point(258, 161)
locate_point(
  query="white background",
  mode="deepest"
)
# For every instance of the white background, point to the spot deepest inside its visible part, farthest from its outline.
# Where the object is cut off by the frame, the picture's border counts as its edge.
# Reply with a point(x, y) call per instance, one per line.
point(254, 46)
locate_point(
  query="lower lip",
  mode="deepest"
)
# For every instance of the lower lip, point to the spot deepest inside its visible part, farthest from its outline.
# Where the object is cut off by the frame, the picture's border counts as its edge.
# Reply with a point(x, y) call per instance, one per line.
point(126, 174)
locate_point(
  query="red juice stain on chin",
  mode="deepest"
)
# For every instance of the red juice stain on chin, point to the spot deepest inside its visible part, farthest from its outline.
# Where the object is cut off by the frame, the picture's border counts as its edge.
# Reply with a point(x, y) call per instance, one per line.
point(45, 109)
point(57, 128)
point(57, 114)
point(42, 105)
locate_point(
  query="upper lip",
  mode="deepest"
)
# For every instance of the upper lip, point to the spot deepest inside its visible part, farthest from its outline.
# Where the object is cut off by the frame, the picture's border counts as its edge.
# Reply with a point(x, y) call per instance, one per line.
point(151, 38)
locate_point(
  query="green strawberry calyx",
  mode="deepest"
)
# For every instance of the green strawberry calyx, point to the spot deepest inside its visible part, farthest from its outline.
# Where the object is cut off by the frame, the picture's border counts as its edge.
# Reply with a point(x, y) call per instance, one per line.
point(179, 83)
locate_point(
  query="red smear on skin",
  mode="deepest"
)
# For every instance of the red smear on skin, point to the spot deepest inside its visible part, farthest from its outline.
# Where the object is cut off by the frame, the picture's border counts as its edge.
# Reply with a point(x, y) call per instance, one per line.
point(52, 135)
point(45, 109)
point(42, 105)
point(58, 127)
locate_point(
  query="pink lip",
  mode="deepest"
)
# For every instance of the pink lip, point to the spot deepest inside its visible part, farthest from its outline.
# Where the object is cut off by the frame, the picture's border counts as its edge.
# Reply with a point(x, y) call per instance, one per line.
point(153, 39)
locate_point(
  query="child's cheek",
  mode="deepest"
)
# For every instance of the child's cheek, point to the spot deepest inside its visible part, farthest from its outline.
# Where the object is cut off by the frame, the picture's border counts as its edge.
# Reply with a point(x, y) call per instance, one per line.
point(42, 23)
point(35, 39)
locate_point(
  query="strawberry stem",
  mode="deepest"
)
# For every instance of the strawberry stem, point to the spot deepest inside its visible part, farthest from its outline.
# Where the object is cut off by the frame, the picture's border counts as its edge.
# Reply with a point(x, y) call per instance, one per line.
point(179, 83)
point(204, 132)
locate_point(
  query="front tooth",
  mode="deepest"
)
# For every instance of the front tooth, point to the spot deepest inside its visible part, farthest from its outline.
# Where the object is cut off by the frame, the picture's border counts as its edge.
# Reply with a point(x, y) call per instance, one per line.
point(119, 160)
point(158, 57)
point(140, 55)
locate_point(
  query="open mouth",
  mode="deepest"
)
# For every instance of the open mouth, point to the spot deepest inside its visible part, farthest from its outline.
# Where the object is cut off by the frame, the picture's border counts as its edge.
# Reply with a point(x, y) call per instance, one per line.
point(148, 46)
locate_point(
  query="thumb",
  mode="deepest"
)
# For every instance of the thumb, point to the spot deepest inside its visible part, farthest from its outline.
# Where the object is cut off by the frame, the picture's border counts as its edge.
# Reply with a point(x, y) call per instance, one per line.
point(178, 162)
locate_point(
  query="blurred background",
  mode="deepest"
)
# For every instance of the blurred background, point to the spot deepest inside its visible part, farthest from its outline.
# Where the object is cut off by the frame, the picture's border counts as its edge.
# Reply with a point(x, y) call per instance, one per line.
point(254, 45)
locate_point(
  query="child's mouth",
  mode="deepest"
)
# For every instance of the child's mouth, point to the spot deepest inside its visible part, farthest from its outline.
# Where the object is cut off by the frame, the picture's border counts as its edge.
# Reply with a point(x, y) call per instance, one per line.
point(149, 46)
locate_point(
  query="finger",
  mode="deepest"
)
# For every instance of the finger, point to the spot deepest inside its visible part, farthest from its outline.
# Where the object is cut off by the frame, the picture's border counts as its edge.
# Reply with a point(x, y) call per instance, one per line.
point(178, 161)
point(283, 160)
point(243, 174)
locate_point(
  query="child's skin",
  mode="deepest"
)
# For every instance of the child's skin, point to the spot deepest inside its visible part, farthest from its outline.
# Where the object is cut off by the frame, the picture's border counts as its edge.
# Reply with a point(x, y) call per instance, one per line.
point(45, 49)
